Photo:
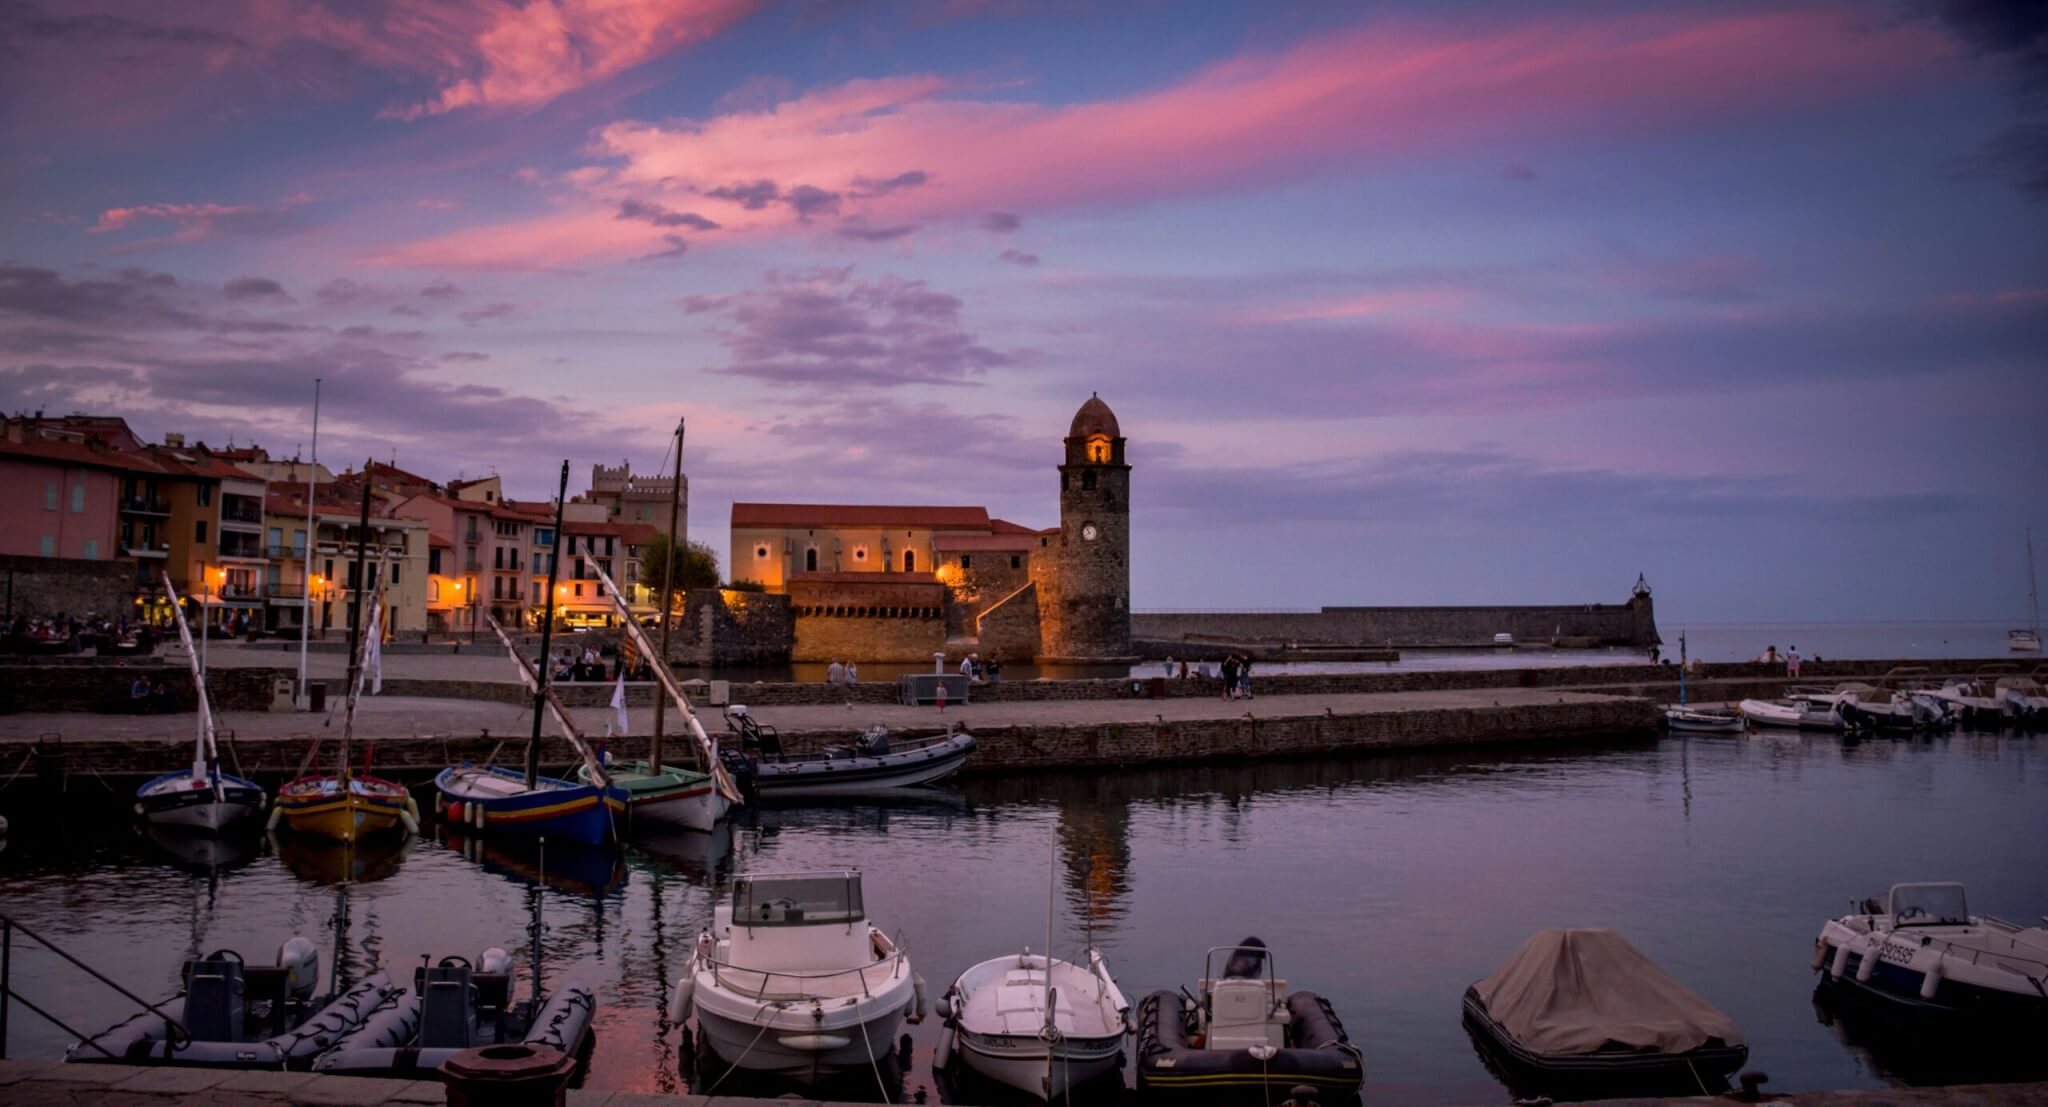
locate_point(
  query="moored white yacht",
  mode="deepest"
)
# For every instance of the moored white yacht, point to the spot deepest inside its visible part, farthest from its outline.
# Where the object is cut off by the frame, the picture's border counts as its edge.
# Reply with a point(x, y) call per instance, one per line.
point(792, 980)
point(1042, 1027)
point(1799, 711)
point(1920, 953)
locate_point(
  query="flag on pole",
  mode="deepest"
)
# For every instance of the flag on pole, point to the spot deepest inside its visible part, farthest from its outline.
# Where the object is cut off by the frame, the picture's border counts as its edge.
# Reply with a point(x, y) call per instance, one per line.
point(619, 701)
point(375, 659)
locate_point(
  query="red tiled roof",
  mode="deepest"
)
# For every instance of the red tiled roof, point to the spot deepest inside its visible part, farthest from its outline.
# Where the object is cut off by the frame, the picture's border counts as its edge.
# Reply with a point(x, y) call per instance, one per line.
point(1020, 540)
point(71, 452)
point(438, 542)
point(1004, 526)
point(859, 515)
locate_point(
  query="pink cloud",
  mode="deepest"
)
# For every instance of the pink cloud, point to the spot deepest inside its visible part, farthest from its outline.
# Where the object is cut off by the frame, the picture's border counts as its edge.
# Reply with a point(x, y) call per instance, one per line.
point(526, 55)
point(196, 221)
point(1385, 93)
point(1407, 301)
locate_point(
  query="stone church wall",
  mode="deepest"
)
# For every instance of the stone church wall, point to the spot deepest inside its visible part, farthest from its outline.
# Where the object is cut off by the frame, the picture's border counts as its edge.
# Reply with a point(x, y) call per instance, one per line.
point(868, 620)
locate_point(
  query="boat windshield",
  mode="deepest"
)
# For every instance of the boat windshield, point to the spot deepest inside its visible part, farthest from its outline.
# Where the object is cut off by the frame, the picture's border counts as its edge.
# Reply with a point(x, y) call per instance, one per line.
point(1929, 905)
point(797, 900)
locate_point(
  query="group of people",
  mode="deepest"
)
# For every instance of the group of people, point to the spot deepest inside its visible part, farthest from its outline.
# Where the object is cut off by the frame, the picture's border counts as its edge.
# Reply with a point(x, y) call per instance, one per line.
point(1790, 658)
point(1237, 677)
point(837, 673)
point(68, 633)
point(146, 698)
point(589, 665)
point(978, 671)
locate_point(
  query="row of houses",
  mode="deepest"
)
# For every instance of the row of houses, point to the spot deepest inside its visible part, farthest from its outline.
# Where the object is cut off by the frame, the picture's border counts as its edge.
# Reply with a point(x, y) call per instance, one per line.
point(270, 544)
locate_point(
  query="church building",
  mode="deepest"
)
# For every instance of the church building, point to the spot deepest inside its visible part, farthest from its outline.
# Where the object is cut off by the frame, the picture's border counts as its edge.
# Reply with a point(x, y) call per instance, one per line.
point(896, 582)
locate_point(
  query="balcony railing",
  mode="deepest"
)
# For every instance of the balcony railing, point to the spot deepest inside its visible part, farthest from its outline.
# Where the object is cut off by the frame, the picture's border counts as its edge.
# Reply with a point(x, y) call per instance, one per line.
point(293, 591)
point(252, 553)
point(295, 553)
point(147, 549)
point(231, 513)
point(239, 592)
point(146, 505)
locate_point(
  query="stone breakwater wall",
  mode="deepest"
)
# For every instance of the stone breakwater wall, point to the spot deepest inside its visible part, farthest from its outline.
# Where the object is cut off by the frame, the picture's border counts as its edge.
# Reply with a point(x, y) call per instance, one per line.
point(48, 585)
point(1023, 747)
point(1632, 624)
point(102, 686)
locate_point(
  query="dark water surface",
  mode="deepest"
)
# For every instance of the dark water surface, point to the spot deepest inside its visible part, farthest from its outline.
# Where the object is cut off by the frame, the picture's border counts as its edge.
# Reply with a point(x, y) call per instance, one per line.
point(1387, 883)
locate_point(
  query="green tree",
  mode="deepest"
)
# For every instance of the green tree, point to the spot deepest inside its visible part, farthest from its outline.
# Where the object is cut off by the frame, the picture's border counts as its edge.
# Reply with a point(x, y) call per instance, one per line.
point(692, 564)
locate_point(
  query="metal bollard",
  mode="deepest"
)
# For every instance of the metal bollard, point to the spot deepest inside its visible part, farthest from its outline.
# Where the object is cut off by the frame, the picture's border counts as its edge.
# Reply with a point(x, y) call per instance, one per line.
point(1752, 1086)
point(508, 1076)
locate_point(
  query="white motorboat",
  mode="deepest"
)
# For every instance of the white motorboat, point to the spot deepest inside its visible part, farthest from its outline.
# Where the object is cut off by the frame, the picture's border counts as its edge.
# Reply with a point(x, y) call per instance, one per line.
point(792, 980)
point(2025, 704)
point(1800, 712)
point(1704, 720)
point(1920, 953)
point(1042, 1027)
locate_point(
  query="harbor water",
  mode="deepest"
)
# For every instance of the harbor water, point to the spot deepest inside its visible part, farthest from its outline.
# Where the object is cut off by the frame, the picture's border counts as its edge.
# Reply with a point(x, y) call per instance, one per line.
point(1387, 883)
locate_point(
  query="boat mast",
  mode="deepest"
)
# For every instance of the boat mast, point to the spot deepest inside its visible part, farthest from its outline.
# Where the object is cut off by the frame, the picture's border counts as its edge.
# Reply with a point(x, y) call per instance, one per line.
point(312, 529)
point(547, 631)
point(2033, 593)
point(355, 624)
point(668, 573)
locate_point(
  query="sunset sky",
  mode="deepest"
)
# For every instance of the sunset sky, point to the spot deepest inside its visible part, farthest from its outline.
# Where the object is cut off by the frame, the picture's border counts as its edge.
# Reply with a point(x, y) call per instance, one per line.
point(1397, 303)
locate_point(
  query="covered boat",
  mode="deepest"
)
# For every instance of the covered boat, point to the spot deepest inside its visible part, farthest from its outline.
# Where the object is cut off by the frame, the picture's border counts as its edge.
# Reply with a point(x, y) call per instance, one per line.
point(234, 1015)
point(874, 761)
point(793, 980)
point(1582, 1014)
point(204, 798)
point(1242, 1038)
point(1920, 955)
point(1042, 1026)
point(456, 1005)
point(1800, 711)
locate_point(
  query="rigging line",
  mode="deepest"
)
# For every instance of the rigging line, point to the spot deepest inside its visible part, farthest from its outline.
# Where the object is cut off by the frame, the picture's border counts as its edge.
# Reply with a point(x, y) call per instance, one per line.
point(737, 1060)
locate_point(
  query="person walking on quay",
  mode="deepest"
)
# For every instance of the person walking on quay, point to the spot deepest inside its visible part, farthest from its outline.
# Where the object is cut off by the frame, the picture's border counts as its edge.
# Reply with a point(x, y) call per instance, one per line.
point(1244, 677)
point(1770, 656)
point(852, 673)
point(940, 699)
point(1183, 669)
point(1230, 676)
point(1792, 662)
point(835, 673)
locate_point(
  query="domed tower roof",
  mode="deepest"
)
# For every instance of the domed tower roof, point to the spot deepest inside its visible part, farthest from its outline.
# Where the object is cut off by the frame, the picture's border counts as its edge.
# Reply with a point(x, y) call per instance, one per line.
point(1094, 418)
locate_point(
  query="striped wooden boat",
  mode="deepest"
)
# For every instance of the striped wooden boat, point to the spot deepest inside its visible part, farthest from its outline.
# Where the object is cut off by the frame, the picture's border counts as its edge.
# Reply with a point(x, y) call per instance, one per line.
point(348, 808)
point(496, 799)
point(674, 796)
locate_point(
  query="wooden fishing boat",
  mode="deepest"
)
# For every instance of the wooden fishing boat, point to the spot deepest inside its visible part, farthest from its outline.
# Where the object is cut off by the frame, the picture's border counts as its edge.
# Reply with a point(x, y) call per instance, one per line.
point(343, 806)
point(491, 798)
point(205, 798)
point(656, 792)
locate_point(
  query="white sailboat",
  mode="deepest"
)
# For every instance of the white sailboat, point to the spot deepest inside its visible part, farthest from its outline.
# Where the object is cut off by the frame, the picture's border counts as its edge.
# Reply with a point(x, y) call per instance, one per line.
point(204, 798)
point(2028, 640)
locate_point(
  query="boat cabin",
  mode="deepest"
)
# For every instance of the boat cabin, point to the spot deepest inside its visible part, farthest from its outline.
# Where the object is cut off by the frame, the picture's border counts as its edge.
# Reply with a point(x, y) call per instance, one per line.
point(791, 933)
point(1927, 905)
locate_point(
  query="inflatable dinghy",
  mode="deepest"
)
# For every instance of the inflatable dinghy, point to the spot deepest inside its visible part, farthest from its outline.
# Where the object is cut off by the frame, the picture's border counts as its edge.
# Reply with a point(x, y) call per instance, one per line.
point(241, 1016)
point(1244, 1040)
point(453, 1006)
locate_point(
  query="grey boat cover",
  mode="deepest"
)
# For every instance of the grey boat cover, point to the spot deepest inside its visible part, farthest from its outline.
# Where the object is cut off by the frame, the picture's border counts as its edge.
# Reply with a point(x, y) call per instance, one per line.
point(1570, 992)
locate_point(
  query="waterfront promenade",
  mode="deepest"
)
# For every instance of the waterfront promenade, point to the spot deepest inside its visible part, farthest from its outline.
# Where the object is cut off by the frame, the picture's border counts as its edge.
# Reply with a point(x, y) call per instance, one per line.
point(46, 1084)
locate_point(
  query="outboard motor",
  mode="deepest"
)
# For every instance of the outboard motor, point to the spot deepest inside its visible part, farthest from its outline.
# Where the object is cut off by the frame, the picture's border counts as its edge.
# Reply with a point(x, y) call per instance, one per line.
point(741, 769)
point(494, 960)
point(1250, 960)
point(493, 980)
point(873, 742)
point(447, 1006)
point(300, 960)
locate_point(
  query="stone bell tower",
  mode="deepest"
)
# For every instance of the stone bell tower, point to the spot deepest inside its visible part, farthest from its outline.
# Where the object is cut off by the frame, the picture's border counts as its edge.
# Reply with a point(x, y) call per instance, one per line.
point(1085, 594)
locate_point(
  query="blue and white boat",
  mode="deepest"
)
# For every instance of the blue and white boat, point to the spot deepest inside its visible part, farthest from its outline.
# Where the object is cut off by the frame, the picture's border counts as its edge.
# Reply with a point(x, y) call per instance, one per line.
point(492, 798)
point(203, 798)
point(1921, 956)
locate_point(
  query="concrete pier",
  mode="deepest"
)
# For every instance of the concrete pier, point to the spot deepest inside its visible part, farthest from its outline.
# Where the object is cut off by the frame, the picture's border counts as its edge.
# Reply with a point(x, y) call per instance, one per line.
point(47, 1084)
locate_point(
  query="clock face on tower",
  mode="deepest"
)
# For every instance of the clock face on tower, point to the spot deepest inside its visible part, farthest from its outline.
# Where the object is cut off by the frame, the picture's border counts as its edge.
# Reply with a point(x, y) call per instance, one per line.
point(1088, 532)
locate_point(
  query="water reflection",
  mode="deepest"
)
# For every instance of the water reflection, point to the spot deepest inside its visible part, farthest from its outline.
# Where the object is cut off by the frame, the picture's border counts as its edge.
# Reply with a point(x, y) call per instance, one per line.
point(324, 862)
point(1387, 883)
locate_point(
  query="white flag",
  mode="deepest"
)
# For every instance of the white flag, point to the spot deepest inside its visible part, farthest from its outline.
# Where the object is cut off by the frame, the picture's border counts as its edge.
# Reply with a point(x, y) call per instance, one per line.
point(375, 660)
point(619, 700)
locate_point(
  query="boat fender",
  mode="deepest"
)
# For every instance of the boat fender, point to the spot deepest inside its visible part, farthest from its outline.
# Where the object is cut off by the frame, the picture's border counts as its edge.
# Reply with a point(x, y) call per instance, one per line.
point(916, 1014)
point(410, 822)
point(1820, 953)
point(944, 1008)
point(942, 1054)
point(1931, 981)
point(138, 809)
point(476, 815)
point(276, 816)
point(1867, 967)
point(412, 808)
point(679, 998)
point(1840, 964)
point(440, 804)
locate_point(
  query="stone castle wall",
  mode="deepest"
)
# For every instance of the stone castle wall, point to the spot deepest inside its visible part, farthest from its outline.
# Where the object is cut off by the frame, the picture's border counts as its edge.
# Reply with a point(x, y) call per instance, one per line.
point(48, 585)
point(1625, 624)
point(1010, 628)
point(878, 619)
point(732, 628)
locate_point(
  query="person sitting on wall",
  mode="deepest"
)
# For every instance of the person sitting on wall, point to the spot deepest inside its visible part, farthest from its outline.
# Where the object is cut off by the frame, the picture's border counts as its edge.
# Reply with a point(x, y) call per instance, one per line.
point(994, 668)
point(160, 698)
point(835, 673)
point(138, 696)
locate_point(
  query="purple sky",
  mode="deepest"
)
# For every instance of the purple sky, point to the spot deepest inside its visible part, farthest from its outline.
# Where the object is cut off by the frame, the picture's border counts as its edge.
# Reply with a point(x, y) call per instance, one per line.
point(1407, 303)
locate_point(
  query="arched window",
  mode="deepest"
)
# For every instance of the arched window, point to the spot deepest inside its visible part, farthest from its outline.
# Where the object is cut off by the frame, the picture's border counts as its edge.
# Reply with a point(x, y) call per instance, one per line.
point(1088, 480)
point(811, 560)
point(910, 561)
point(1098, 449)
